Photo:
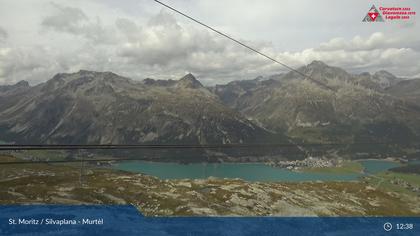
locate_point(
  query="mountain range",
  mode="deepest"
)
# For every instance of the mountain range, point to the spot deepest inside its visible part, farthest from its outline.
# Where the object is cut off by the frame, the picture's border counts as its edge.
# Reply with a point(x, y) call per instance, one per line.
point(90, 107)
point(101, 108)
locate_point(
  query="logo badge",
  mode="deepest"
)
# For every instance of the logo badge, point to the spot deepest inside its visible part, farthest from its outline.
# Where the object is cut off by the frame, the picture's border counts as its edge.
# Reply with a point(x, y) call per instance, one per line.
point(373, 15)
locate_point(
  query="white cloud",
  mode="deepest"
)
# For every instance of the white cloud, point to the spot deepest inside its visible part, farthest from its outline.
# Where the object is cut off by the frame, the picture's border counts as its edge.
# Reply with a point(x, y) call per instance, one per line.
point(74, 21)
point(375, 52)
point(374, 41)
point(3, 34)
point(25, 63)
point(97, 35)
point(66, 19)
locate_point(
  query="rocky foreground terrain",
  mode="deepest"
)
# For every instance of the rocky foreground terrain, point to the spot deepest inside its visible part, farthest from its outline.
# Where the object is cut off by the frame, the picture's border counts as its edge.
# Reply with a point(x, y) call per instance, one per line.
point(54, 184)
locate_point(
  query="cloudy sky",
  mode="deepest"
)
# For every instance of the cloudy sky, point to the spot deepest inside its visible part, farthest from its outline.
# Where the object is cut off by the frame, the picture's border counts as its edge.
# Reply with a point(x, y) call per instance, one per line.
point(140, 39)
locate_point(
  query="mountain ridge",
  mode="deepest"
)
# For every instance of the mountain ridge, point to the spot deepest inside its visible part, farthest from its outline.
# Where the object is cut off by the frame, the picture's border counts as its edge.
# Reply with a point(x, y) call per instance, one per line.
point(358, 110)
point(89, 107)
point(52, 111)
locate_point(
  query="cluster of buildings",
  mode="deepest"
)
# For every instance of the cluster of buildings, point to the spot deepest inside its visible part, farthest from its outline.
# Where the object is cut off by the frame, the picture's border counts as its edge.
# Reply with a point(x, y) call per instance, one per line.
point(309, 162)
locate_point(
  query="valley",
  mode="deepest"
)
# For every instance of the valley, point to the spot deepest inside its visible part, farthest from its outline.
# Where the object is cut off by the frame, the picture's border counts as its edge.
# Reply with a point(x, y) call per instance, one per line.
point(345, 149)
point(355, 188)
point(90, 107)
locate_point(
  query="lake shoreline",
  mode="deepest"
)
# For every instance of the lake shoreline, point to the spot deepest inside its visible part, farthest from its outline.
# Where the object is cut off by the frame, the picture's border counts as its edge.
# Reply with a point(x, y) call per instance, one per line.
point(246, 171)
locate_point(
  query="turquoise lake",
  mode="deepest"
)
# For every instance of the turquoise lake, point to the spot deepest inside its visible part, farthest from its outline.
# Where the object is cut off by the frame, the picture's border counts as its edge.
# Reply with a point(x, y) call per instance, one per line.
point(376, 166)
point(246, 171)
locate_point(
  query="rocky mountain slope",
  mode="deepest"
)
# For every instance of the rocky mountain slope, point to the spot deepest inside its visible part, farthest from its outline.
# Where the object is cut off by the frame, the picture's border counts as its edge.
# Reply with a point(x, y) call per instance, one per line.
point(356, 109)
point(408, 90)
point(101, 108)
